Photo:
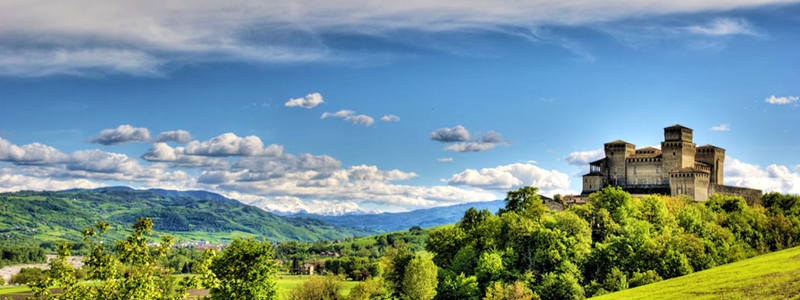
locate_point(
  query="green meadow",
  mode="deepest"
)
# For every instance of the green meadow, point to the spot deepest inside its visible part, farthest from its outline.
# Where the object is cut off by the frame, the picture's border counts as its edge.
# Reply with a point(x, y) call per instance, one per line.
point(771, 276)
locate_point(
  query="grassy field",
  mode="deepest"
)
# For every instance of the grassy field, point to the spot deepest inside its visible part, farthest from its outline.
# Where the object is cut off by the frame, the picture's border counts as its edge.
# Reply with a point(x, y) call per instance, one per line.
point(285, 284)
point(771, 276)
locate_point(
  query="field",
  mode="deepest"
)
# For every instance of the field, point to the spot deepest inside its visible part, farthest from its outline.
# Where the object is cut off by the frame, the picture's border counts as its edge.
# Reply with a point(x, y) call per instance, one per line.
point(771, 276)
point(285, 284)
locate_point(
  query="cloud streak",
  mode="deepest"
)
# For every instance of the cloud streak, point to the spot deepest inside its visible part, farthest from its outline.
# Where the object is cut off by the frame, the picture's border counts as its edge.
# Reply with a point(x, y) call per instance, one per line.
point(144, 37)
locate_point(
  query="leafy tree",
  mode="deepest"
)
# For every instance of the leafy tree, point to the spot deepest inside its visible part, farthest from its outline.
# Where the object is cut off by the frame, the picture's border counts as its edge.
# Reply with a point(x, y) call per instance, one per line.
point(514, 291)
point(319, 288)
point(372, 288)
point(419, 281)
point(244, 271)
point(397, 260)
point(459, 287)
point(640, 279)
point(524, 199)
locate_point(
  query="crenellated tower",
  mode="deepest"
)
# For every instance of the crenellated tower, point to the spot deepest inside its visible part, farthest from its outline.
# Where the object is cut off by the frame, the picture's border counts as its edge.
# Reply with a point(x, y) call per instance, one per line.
point(715, 158)
point(678, 149)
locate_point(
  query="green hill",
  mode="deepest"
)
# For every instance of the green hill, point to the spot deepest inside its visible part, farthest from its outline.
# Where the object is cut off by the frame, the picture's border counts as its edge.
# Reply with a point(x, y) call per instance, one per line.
point(30, 218)
point(771, 276)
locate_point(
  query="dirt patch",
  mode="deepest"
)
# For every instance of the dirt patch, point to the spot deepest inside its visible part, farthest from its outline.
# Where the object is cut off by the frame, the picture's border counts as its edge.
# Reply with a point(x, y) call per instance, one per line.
point(8, 271)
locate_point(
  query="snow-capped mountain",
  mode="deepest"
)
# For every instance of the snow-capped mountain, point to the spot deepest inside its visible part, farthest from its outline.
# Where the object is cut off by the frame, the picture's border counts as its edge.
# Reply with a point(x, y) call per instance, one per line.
point(285, 205)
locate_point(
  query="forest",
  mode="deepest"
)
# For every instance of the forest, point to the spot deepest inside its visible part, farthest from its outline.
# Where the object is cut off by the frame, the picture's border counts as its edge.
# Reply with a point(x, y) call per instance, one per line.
point(522, 251)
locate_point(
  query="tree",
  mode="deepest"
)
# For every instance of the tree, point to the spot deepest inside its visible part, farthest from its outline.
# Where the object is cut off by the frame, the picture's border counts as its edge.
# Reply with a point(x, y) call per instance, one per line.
point(420, 282)
point(244, 271)
point(369, 289)
point(319, 288)
point(515, 291)
point(458, 288)
point(524, 199)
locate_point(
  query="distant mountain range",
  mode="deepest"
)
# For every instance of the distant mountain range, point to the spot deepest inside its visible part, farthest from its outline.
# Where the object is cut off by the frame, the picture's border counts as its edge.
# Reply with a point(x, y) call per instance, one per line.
point(403, 221)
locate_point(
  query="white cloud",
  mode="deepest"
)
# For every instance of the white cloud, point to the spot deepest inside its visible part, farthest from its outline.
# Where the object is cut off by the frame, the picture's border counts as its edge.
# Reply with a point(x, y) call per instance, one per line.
point(30, 154)
point(781, 100)
point(723, 26)
point(445, 159)
point(390, 118)
point(177, 136)
point(774, 178)
point(473, 146)
point(723, 127)
point(583, 158)
point(161, 152)
point(350, 116)
point(362, 120)
point(446, 135)
point(371, 173)
point(122, 134)
point(292, 205)
point(511, 176)
point(18, 182)
point(229, 144)
point(309, 101)
point(142, 37)
point(344, 113)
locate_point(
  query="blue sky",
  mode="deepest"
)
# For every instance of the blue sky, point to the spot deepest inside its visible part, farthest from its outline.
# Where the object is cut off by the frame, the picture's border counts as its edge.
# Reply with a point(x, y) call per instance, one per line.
point(538, 87)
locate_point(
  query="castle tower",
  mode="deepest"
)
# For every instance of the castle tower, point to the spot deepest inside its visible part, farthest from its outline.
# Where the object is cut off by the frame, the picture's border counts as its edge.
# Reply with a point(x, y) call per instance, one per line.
point(617, 153)
point(714, 157)
point(677, 149)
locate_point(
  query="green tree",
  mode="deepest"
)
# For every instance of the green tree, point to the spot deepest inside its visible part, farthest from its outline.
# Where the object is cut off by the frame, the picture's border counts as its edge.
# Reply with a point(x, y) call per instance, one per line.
point(244, 271)
point(420, 280)
point(372, 288)
point(319, 288)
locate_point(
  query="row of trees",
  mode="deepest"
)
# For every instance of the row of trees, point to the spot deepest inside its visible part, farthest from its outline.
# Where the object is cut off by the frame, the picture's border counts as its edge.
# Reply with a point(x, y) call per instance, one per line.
point(615, 242)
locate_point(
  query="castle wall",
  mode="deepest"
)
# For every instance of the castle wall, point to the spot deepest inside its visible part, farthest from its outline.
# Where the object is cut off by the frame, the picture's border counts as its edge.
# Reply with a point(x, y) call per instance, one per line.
point(694, 185)
point(645, 171)
point(716, 158)
point(752, 196)
point(616, 156)
point(592, 183)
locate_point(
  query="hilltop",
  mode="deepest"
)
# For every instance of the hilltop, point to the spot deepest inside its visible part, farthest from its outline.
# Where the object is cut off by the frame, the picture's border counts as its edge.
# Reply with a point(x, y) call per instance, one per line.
point(31, 218)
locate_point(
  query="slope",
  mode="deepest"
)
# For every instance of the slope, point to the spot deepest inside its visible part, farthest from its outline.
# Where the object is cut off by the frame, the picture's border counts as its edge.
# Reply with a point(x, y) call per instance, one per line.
point(29, 218)
point(771, 276)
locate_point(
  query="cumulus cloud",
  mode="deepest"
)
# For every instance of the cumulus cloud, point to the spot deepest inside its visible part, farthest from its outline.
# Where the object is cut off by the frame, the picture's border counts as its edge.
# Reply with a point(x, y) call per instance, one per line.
point(161, 152)
point(18, 182)
point(490, 140)
point(362, 120)
point(177, 136)
point(781, 100)
point(371, 173)
point(723, 127)
point(143, 37)
point(34, 153)
point(445, 159)
point(775, 178)
point(447, 135)
point(350, 116)
point(344, 113)
point(581, 159)
point(390, 118)
point(309, 101)
point(229, 144)
point(122, 134)
point(723, 26)
point(511, 176)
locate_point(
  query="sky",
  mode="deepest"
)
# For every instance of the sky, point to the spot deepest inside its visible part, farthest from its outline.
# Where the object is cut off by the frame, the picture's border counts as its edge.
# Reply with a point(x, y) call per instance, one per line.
point(388, 106)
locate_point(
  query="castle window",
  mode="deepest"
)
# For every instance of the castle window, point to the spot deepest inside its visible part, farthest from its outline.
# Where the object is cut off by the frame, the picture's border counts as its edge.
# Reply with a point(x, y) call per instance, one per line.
point(658, 180)
point(673, 153)
point(658, 169)
point(634, 170)
point(635, 181)
point(645, 181)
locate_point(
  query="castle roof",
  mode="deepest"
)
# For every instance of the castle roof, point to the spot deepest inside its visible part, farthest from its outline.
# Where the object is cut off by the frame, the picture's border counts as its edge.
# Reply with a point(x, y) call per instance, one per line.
point(677, 126)
point(598, 161)
point(710, 146)
point(595, 173)
point(618, 142)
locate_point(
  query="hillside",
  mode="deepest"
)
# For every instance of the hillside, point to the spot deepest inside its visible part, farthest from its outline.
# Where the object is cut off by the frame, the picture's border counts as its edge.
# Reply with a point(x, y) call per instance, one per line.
point(771, 276)
point(403, 221)
point(29, 218)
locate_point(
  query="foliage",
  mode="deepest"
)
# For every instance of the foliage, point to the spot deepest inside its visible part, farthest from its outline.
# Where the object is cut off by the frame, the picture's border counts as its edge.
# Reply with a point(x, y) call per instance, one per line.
point(27, 275)
point(612, 243)
point(21, 255)
point(42, 219)
point(372, 288)
point(419, 282)
point(243, 271)
point(319, 288)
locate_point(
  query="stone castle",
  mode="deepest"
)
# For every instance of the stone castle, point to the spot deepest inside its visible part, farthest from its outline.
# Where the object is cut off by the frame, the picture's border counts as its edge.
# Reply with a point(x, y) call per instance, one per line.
point(679, 168)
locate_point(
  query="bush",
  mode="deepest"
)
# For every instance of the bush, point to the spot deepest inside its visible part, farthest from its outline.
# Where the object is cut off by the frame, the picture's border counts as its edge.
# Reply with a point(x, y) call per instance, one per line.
point(28, 275)
point(320, 288)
